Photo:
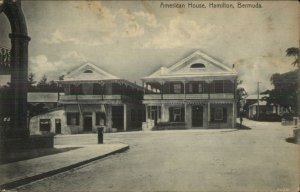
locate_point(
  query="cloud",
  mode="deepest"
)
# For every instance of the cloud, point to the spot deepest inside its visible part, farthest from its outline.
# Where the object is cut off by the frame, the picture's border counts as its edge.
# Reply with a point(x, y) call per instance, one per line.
point(131, 25)
point(181, 31)
point(148, 18)
point(260, 69)
point(40, 65)
point(58, 37)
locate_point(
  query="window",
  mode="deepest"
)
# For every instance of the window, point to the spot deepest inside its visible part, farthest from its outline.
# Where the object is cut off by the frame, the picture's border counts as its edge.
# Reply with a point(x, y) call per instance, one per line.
point(195, 87)
point(177, 88)
point(200, 88)
point(190, 89)
point(197, 66)
point(218, 114)
point(88, 71)
point(72, 118)
point(228, 86)
point(218, 86)
point(75, 89)
point(176, 114)
point(45, 125)
point(100, 119)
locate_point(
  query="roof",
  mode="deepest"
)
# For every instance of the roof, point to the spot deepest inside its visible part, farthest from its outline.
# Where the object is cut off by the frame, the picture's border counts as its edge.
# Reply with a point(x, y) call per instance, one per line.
point(45, 97)
point(207, 67)
point(255, 96)
point(88, 72)
point(261, 103)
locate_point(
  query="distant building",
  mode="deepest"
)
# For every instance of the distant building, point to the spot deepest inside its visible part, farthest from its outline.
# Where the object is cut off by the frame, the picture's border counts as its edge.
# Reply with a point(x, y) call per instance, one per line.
point(94, 98)
point(196, 92)
point(262, 111)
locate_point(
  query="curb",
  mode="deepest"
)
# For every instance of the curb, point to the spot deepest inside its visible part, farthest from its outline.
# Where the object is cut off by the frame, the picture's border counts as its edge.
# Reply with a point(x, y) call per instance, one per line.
point(20, 182)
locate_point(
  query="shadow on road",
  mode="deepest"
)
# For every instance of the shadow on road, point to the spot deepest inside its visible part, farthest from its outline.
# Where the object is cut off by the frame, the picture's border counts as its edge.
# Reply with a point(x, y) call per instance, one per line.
point(242, 127)
point(33, 153)
point(291, 140)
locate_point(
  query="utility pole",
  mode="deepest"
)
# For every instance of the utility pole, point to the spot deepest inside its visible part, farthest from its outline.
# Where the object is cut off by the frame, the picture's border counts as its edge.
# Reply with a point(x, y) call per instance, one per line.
point(258, 100)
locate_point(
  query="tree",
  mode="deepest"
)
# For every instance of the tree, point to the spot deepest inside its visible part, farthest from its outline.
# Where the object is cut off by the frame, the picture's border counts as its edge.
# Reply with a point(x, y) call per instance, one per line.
point(42, 83)
point(294, 52)
point(285, 91)
point(31, 82)
point(241, 95)
point(44, 86)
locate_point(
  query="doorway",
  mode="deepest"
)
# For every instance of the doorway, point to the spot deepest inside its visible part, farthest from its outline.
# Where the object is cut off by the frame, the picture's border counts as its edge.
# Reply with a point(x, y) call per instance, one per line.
point(197, 116)
point(87, 122)
point(57, 126)
point(118, 117)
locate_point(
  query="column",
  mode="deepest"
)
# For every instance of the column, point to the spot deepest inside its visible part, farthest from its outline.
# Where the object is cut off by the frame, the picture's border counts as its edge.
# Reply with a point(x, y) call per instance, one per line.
point(233, 115)
point(146, 106)
point(184, 90)
point(125, 117)
point(162, 90)
point(208, 114)
point(94, 128)
point(186, 115)
point(19, 75)
point(143, 85)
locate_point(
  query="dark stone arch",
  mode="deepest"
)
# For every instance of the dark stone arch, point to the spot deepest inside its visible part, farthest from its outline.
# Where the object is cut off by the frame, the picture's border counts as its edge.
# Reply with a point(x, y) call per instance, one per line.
point(19, 67)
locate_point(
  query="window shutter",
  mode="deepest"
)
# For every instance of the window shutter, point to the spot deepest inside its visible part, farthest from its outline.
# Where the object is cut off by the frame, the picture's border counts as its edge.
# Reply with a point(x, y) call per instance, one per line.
point(166, 87)
point(225, 114)
point(182, 114)
point(77, 119)
point(171, 114)
point(212, 114)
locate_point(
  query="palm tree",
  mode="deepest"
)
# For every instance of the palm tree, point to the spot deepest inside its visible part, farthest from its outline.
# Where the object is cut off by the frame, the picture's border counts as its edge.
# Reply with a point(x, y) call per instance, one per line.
point(294, 51)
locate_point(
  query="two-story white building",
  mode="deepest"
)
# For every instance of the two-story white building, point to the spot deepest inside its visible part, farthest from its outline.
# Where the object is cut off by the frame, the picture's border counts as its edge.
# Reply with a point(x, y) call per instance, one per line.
point(196, 92)
point(93, 98)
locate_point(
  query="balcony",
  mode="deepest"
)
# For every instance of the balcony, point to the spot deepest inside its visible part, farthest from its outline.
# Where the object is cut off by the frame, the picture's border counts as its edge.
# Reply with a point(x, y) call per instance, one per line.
point(189, 96)
point(175, 96)
point(221, 96)
point(91, 97)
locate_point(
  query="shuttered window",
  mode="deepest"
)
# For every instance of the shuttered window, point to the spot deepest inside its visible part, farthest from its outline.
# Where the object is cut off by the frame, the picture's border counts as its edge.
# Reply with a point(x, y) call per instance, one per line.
point(218, 114)
point(72, 118)
point(176, 114)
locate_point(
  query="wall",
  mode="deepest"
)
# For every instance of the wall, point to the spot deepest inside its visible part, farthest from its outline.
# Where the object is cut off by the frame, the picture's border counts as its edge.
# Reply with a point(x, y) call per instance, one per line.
point(230, 117)
point(58, 114)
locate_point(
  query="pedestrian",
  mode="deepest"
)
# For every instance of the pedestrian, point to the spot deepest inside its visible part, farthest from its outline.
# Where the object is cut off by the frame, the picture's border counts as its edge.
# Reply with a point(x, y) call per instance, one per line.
point(241, 120)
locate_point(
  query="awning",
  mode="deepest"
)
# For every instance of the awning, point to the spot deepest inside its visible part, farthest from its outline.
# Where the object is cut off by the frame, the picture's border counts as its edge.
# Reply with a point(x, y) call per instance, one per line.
point(85, 108)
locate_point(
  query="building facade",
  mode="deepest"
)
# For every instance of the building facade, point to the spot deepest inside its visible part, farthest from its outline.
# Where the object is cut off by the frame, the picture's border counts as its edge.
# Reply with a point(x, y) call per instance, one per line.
point(94, 98)
point(196, 92)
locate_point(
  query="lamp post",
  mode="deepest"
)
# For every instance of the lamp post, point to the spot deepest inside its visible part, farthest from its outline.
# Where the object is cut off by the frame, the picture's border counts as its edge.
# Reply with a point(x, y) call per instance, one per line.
point(258, 100)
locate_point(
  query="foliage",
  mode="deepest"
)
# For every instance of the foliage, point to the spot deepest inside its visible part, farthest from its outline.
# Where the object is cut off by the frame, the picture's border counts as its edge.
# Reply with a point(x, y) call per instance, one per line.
point(46, 86)
point(31, 82)
point(294, 52)
point(241, 94)
point(285, 90)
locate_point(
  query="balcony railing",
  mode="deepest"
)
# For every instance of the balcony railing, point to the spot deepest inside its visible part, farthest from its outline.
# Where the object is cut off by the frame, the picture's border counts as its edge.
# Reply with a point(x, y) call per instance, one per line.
point(221, 96)
point(189, 96)
point(91, 97)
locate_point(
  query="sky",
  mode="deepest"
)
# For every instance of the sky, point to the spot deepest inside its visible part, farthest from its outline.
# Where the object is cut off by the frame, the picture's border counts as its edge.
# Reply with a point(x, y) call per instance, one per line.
point(131, 39)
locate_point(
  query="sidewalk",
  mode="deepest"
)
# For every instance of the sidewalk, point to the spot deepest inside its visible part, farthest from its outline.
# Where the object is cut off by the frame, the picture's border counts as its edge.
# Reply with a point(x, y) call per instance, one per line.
point(22, 172)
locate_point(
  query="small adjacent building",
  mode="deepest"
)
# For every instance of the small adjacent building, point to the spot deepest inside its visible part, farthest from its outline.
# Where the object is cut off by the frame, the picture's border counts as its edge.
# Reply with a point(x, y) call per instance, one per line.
point(196, 92)
point(94, 98)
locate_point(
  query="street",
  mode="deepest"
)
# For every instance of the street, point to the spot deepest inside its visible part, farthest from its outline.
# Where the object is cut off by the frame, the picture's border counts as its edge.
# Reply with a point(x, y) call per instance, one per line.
point(256, 159)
